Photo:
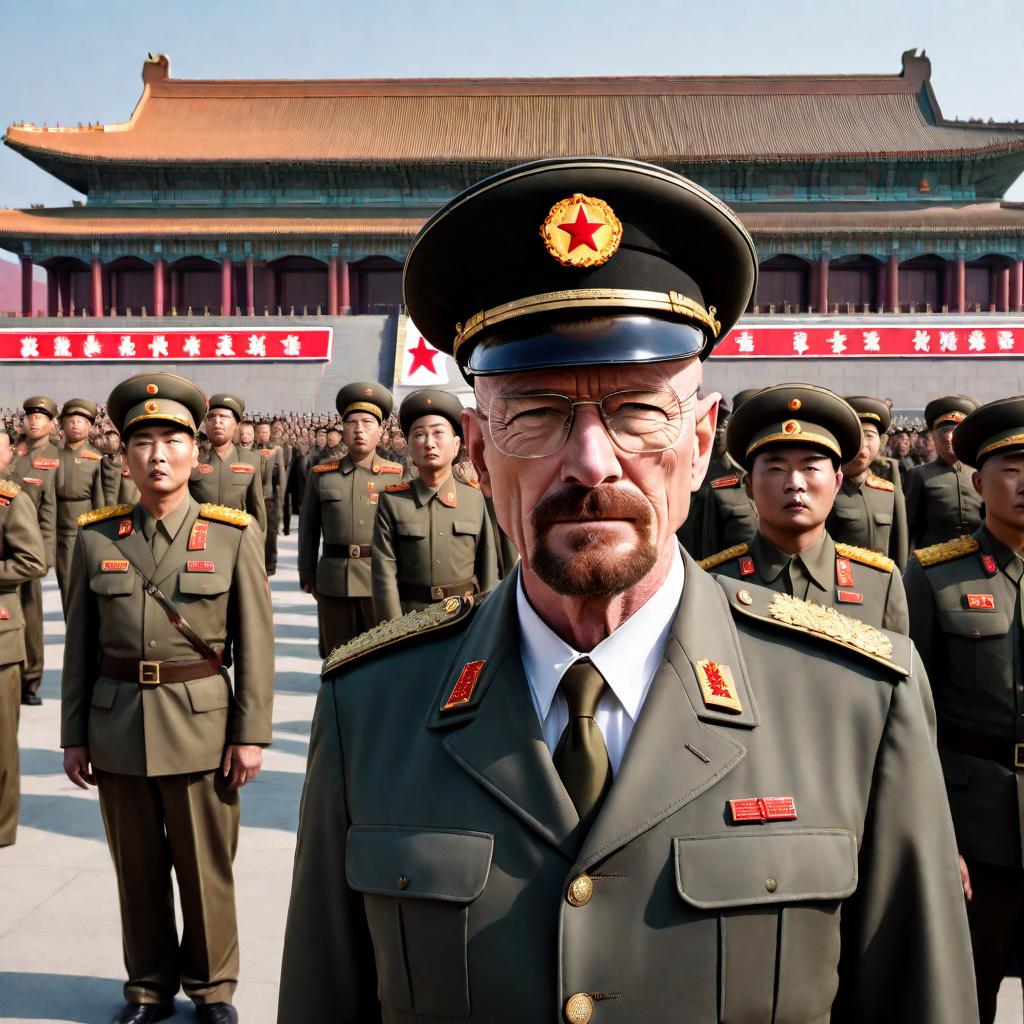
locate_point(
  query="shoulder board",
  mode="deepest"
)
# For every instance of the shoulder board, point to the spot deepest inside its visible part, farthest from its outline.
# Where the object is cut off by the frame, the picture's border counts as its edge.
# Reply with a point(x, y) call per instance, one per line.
point(325, 467)
point(879, 483)
point(440, 615)
point(395, 488)
point(98, 515)
point(8, 488)
point(946, 551)
point(391, 467)
point(223, 514)
point(866, 557)
point(726, 481)
point(723, 556)
point(86, 454)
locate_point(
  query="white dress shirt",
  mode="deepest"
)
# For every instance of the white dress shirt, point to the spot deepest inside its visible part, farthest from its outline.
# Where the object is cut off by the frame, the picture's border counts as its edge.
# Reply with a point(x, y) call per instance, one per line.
point(628, 659)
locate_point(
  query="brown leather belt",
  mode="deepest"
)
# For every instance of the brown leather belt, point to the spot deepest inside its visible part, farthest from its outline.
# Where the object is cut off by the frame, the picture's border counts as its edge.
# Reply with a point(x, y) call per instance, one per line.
point(428, 594)
point(347, 551)
point(976, 744)
point(153, 673)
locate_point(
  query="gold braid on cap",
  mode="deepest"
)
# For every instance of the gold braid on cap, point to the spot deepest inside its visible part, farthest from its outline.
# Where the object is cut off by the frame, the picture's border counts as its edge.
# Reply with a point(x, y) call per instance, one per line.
point(797, 437)
point(1006, 442)
point(374, 410)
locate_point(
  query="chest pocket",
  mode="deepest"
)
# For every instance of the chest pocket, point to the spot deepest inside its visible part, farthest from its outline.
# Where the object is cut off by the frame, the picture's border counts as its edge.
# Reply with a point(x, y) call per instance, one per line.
point(847, 515)
point(883, 518)
point(412, 531)
point(466, 528)
point(777, 895)
point(332, 491)
point(979, 642)
point(112, 584)
point(202, 584)
point(418, 886)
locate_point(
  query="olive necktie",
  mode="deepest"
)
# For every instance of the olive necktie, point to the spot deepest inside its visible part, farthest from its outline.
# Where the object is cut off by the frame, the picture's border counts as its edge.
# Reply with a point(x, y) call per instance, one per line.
point(157, 541)
point(581, 757)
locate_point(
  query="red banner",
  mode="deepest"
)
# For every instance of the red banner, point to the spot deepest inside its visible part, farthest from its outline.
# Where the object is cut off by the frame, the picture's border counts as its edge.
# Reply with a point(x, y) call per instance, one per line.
point(152, 344)
point(865, 338)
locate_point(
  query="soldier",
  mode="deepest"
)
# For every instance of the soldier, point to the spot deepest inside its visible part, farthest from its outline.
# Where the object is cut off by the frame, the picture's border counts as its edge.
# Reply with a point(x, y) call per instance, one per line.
point(432, 537)
point(340, 504)
point(900, 446)
point(869, 511)
point(227, 475)
point(36, 472)
point(942, 503)
point(791, 440)
point(617, 789)
point(112, 466)
point(22, 558)
point(274, 477)
point(331, 451)
point(78, 486)
point(965, 618)
point(161, 595)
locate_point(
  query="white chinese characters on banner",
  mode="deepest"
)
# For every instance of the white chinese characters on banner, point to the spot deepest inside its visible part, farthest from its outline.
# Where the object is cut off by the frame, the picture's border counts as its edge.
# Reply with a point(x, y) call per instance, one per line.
point(422, 364)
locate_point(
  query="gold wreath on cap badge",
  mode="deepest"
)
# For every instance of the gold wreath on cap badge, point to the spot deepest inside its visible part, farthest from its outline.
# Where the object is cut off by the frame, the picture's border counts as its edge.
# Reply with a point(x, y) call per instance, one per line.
point(581, 231)
point(791, 427)
point(152, 407)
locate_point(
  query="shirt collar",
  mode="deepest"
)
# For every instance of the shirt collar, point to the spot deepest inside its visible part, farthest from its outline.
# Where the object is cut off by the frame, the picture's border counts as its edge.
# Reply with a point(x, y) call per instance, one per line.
point(170, 524)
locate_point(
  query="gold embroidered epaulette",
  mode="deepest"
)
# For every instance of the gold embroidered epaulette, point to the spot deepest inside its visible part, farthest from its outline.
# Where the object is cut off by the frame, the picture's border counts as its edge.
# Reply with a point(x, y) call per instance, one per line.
point(436, 616)
point(8, 488)
point(326, 467)
point(946, 551)
point(394, 488)
point(866, 557)
point(879, 483)
point(723, 556)
point(92, 456)
point(829, 624)
point(224, 514)
point(98, 515)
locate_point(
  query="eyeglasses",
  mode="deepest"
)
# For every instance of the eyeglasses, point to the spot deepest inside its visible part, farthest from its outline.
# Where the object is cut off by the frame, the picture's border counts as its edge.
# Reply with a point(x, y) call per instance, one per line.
point(642, 421)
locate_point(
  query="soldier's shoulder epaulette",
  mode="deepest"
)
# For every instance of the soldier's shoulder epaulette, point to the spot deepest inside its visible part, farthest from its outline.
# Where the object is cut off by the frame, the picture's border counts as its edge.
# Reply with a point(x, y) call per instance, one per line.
point(224, 514)
point(866, 557)
point(392, 467)
point(732, 480)
point(326, 467)
point(8, 488)
point(99, 515)
point(721, 557)
point(395, 488)
point(879, 483)
point(474, 483)
point(92, 456)
point(441, 615)
point(946, 551)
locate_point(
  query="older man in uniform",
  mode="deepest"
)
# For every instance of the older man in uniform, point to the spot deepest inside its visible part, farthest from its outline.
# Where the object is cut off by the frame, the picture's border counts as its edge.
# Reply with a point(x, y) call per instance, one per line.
point(340, 505)
point(274, 477)
point(792, 439)
point(36, 472)
point(617, 789)
point(22, 558)
point(869, 511)
point(226, 474)
point(432, 537)
point(164, 596)
point(942, 503)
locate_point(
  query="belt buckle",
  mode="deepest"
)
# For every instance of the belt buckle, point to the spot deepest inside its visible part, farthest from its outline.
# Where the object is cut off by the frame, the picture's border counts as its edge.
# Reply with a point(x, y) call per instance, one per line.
point(1018, 755)
point(355, 551)
point(149, 673)
point(437, 593)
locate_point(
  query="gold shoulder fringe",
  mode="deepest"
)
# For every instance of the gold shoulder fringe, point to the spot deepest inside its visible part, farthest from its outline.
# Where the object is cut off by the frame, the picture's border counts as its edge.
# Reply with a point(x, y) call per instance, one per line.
point(723, 556)
point(223, 514)
point(879, 483)
point(830, 625)
point(866, 557)
point(98, 515)
point(946, 551)
point(8, 488)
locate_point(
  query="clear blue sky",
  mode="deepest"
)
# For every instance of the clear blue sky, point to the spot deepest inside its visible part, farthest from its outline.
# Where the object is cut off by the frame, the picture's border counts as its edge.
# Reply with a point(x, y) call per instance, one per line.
point(80, 60)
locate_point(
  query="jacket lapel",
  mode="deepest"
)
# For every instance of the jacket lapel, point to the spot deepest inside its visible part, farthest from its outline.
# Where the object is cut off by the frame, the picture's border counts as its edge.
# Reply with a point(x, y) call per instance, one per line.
point(175, 555)
point(135, 547)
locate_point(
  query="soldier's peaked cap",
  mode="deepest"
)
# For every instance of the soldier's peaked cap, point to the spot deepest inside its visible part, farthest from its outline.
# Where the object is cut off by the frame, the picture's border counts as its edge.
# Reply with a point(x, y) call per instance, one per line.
point(948, 410)
point(430, 402)
point(364, 396)
point(233, 404)
point(996, 428)
point(40, 403)
point(155, 398)
point(579, 261)
point(79, 407)
point(872, 411)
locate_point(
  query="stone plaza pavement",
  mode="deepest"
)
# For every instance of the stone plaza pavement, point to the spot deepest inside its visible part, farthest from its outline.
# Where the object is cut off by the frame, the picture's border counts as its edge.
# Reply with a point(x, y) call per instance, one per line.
point(60, 942)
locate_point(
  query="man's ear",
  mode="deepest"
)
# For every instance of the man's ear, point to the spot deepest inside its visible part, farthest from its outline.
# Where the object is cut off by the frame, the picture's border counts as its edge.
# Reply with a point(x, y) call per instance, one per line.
point(839, 481)
point(706, 413)
point(978, 485)
point(473, 432)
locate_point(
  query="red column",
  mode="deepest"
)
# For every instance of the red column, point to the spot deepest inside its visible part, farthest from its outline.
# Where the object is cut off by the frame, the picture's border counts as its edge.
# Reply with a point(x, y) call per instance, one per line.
point(175, 287)
point(1017, 291)
point(881, 298)
point(250, 287)
point(960, 295)
point(51, 292)
point(332, 286)
point(1003, 290)
point(97, 286)
point(894, 283)
point(225, 285)
point(345, 297)
point(159, 276)
point(26, 285)
point(823, 283)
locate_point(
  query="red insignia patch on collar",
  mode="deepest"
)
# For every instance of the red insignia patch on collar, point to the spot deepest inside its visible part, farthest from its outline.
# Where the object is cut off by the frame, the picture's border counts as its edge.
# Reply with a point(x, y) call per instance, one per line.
point(762, 808)
point(844, 572)
point(980, 601)
point(717, 686)
point(197, 538)
point(746, 567)
point(4, 614)
point(850, 597)
point(988, 563)
point(200, 566)
point(462, 692)
point(124, 528)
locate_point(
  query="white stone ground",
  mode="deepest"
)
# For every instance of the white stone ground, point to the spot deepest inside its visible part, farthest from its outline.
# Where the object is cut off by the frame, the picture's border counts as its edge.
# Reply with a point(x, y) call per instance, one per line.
point(60, 942)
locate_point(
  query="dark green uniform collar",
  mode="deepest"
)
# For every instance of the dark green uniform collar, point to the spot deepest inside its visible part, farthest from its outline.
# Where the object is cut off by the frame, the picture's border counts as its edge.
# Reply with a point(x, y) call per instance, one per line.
point(818, 562)
point(1007, 559)
point(171, 522)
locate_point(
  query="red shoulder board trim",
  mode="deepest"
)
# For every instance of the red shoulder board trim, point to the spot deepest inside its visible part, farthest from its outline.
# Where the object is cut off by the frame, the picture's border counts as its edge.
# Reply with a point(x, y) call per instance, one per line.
point(45, 463)
point(725, 481)
point(86, 454)
point(387, 468)
point(879, 484)
point(325, 467)
point(395, 488)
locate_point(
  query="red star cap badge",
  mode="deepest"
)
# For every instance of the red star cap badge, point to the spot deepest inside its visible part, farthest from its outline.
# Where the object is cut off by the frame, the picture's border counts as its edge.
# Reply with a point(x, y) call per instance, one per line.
point(581, 231)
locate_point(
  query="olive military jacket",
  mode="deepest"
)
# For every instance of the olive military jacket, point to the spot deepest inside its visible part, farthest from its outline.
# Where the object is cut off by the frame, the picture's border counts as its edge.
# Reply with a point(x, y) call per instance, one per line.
point(860, 583)
point(871, 514)
point(111, 469)
point(729, 516)
point(36, 472)
point(441, 871)
point(340, 504)
point(942, 503)
point(965, 618)
point(213, 573)
point(234, 481)
point(78, 488)
point(22, 558)
point(430, 543)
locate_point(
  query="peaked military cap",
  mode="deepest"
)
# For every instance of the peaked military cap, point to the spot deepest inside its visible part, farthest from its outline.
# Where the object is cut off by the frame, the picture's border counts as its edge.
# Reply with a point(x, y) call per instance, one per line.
point(795, 414)
point(233, 404)
point(506, 274)
point(993, 429)
point(741, 396)
point(872, 411)
point(40, 403)
point(156, 397)
point(79, 407)
point(948, 410)
point(365, 396)
point(430, 402)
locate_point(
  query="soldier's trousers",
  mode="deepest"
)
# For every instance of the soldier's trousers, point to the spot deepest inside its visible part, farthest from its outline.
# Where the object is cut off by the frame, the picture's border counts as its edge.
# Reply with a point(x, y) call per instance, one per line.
point(10, 776)
point(65, 552)
point(188, 823)
point(273, 528)
point(341, 618)
point(31, 594)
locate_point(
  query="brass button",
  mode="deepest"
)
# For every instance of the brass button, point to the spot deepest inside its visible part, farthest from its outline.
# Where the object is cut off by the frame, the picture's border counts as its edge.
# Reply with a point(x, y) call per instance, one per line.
point(403, 882)
point(770, 884)
point(580, 891)
point(579, 1008)
point(744, 597)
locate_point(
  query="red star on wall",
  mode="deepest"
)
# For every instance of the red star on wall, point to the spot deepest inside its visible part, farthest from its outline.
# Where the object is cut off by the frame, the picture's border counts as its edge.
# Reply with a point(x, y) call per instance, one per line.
point(581, 230)
point(422, 355)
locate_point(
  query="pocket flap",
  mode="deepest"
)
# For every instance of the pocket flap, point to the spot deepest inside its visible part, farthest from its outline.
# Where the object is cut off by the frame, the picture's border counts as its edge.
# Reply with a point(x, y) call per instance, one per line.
point(207, 694)
point(463, 526)
point(745, 868)
point(331, 493)
point(980, 624)
point(202, 583)
point(848, 514)
point(418, 863)
point(104, 694)
point(112, 584)
point(411, 529)
point(882, 518)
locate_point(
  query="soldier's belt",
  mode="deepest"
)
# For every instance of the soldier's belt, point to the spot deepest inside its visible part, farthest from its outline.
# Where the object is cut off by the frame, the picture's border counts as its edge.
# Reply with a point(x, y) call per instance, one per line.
point(411, 593)
point(347, 551)
point(992, 748)
point(153, 673)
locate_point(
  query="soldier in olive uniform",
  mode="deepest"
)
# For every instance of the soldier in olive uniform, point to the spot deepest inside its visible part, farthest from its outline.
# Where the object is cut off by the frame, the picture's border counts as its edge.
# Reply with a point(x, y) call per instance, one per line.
point(942, 503)
point(791, 439)
point(22, 558)
point(617, 789)
point(78, 486)
point(36, 472)
point(274, 477)
point(965, 618)
point(112, 466)
point(340, 505)
point(432, 538)
point(164, 596)
point(869, 511)
point(226, 474)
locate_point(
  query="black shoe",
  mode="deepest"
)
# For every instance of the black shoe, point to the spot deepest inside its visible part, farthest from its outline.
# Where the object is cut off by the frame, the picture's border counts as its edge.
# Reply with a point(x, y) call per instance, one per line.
point(144, 1013)
point(217, 1013)
point(33, 700)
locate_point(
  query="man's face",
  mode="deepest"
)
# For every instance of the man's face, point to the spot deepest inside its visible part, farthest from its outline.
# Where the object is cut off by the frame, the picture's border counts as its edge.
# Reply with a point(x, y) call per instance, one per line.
point(76, 428)
point(113, 441)
point(245, 433)
point(37, 425)
point(1000, 482)
point(900, 445)
point(942, 439)
point(277, 431)
point(220, 426)
point(6, 451)
point(869, 448)
point(321, 439)
point(591, 518)
point(361, 434)
point(434, 444)
point(161, 459)
point(263, 433)
point(398, 444)
point(793, 487)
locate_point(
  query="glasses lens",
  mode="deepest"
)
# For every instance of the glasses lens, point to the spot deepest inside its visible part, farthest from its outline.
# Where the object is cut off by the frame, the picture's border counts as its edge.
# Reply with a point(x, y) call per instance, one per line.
point(643, 421)
point(530, 426)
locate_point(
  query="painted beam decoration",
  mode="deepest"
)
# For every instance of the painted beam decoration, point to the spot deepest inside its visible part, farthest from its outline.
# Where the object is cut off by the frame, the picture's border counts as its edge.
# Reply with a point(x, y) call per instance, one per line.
point(153, 344)
point(877, 338)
